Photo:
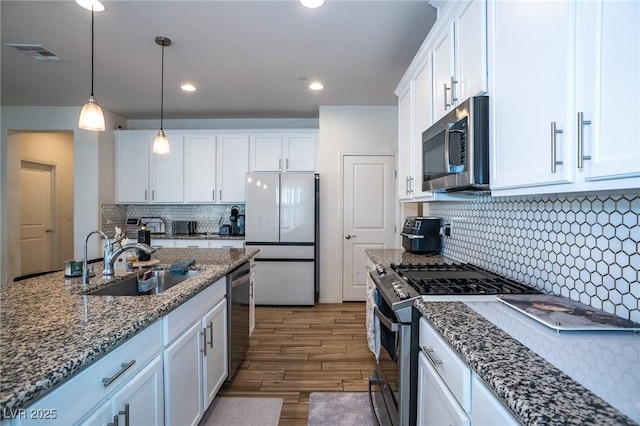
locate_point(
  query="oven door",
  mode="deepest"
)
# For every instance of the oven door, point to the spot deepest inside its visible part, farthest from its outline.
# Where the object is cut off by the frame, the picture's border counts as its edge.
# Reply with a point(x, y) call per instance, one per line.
point(384, 383)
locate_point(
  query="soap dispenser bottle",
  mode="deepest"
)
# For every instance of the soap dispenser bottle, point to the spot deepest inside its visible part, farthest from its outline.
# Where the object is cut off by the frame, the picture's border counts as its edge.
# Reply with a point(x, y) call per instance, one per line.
point(144, 236)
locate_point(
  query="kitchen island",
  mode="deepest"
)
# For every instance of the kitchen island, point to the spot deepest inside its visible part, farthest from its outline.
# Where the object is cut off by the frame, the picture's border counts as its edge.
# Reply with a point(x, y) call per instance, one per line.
point(542, 376)
point(50, 331)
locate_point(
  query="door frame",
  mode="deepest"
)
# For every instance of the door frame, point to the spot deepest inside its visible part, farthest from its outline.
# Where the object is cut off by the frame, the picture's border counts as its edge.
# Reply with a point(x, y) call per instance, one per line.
point(341, 158)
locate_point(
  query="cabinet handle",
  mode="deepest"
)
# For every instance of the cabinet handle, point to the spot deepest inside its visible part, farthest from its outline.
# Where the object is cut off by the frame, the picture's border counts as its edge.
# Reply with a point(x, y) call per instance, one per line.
point(280, 163)
point(251, 289)
point(406, 185)
point(204, 340)
point(126, 414)
point(125, 366)
point(220, 198)
point(286, 164)
point(446, 104)
point(210, 327)
point(581, 123)
point(115, 421)
point(453, 90)
point(153, 195)
point(213, 194)
point(554, 134)
point(432, 359)
point(146, 193)
point(410, 184)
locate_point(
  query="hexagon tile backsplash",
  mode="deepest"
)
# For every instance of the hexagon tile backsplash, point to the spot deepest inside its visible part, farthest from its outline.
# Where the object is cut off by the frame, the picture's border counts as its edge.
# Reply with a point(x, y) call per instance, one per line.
point(586, 248)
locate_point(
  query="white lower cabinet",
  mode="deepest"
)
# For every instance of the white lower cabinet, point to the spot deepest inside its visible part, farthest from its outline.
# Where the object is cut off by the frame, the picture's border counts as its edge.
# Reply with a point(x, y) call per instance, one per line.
point(449, 393)
point(436, 404)
point(486, 409)
point(195, 355)
point(139, 402)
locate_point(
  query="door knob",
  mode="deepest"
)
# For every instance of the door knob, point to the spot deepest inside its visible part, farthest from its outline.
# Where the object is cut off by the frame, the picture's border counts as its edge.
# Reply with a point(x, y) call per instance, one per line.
point(348, 237)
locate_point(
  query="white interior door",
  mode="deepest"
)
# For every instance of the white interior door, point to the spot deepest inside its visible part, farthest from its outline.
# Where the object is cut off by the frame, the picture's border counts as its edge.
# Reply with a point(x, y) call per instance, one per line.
point(369, 200)
point(36, 230)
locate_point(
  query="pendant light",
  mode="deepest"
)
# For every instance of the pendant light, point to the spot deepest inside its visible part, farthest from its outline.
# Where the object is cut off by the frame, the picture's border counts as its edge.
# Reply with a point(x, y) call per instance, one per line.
point(91, 117)
point(161, 142)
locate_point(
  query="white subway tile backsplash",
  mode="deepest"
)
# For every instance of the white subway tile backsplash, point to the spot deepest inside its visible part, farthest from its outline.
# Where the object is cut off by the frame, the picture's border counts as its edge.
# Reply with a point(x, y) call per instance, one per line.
point(583, 247)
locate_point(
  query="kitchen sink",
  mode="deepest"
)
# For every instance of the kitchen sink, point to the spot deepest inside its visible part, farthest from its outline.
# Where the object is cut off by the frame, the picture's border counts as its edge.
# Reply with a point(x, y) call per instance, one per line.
point(129, 286)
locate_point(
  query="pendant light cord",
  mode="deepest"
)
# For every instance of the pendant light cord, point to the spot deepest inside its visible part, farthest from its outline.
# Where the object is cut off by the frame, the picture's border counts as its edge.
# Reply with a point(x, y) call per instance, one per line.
point(162, 89)
point(92, 30)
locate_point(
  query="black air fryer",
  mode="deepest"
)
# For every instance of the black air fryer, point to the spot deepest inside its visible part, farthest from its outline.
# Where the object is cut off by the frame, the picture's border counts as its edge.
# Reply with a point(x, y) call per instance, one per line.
point(421, 234)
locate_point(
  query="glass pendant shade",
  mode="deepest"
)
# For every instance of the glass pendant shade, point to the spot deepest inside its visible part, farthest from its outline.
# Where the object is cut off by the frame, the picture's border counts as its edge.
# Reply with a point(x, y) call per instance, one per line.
point(161, 144)
point(91, 117)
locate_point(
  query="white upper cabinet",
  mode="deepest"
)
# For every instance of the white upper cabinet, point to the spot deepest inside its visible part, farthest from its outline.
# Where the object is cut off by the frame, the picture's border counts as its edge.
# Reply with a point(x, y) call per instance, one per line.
point(144, 177)
point(459, 55)
point(406, 149)
point(233, 165)
point(200, 168)
point(564, 110)
point(283, 152)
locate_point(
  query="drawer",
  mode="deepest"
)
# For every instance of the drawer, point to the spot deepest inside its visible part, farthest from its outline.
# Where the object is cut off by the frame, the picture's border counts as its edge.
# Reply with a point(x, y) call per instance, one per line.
point(75, 397)
point(453, 371)
point(175, 322)
point(226, 243)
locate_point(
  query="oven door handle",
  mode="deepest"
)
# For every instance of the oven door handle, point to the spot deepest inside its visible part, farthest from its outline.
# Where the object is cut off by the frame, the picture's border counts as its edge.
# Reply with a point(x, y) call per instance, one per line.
point(389, 324)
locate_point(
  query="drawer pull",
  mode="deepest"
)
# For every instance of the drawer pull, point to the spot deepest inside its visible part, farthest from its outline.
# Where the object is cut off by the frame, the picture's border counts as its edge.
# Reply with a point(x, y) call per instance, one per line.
point(126, 414)
point(115, 421)
point(125, 366)
point(429, 354)
point(204, 342)
point(210, 327)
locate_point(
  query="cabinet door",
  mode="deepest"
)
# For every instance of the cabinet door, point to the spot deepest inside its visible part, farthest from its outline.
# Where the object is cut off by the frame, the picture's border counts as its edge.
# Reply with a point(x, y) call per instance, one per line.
point(140, 401)
point(436, 405)
point(214, 361)
point(609, 88)
point(226, 243)
point(183, 378)
point(200, 168)
point(162, 243)
point(299, 152)
point(532, 87)
point(405, 143)
point(191, 243)
point(443, 68)
point(100, 416)
point(233, 165)
point(486, 408)
point(471, 50)
point(167, 173)
point(266, 153)
point(423, 119)
point(132, 168)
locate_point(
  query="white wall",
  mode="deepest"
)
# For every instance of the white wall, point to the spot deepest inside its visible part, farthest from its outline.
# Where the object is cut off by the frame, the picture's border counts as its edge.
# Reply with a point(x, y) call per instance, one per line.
point(345, 130)
point(94, 169)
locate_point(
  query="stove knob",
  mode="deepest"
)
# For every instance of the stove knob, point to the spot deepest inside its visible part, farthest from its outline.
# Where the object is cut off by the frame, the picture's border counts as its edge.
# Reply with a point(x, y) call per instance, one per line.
point(380, 269)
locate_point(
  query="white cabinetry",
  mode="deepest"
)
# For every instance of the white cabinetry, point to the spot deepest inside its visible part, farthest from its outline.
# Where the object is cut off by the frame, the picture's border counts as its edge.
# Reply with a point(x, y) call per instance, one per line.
point(200, 168)
point(195, 243)
point(283, 152)
point(233, 165)
point(459, 55)
point(127, 375)
point(195, 354)
point(486, 409)
point(561, 104)
point(144, 177)
point(406, 148)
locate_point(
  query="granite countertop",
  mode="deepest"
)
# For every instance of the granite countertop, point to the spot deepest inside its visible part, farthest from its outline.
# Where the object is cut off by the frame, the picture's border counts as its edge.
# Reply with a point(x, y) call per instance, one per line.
point(536, 391)
point(385, 257)
point(49, 330)
point(169, 236)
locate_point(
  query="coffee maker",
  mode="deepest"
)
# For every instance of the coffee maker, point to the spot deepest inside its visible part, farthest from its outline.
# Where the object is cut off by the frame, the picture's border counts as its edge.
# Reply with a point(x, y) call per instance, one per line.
point(233, 220)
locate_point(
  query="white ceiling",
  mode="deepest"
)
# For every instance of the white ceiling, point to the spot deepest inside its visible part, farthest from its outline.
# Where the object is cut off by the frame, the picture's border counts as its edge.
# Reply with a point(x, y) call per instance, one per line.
point(245, 57)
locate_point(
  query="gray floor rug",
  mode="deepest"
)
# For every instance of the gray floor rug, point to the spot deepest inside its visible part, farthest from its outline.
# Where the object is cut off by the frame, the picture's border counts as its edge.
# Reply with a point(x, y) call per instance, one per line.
point(230, 411)
point(340, 409)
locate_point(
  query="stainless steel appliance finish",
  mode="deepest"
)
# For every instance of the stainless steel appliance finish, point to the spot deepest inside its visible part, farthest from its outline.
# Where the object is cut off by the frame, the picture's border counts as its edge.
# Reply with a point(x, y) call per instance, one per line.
point(421, 234)
point(237, 316)
point(184, 227)
point(397, 288)
point(154, 224)
point(455, 150)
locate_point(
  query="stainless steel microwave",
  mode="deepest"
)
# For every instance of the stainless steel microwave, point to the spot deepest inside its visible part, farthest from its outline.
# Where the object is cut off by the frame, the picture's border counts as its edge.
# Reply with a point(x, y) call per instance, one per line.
point(455, 150)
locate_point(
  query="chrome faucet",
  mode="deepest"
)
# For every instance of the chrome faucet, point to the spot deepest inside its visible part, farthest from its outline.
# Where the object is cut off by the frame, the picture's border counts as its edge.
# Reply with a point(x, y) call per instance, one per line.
point(112, 249)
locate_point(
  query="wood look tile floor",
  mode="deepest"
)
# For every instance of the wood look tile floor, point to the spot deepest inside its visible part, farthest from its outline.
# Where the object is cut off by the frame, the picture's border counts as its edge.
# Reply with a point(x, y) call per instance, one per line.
point(298, 350)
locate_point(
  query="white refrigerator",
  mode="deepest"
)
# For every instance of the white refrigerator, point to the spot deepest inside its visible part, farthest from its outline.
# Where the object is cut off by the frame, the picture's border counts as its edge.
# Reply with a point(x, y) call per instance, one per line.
point(281, 219)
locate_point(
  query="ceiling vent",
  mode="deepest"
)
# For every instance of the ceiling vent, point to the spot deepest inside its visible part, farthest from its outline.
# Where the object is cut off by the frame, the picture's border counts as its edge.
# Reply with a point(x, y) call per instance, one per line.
point(37, 52)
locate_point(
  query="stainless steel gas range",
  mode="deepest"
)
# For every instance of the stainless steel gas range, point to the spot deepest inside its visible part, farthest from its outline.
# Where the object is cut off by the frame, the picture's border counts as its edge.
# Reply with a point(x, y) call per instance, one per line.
point(393, 384)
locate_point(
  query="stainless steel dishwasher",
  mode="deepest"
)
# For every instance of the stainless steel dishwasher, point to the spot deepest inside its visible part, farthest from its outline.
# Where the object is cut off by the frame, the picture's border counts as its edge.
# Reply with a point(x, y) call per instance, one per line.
point(237, 316)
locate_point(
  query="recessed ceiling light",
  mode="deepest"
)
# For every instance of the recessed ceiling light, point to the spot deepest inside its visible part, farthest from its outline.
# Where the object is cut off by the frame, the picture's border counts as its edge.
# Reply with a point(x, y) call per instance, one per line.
point(316, 85)
point(94, 5)
point(312, 4)
point(188, 87)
